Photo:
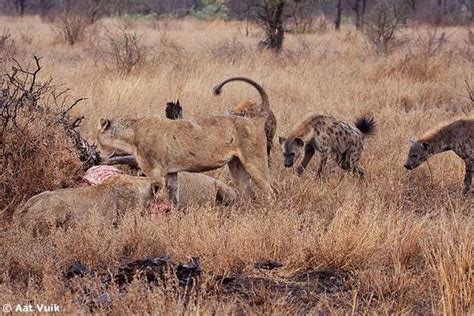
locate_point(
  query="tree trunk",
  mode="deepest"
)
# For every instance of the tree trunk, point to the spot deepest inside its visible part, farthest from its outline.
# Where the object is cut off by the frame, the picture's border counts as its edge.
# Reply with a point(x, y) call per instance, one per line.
point(274, 29)
point(413, 6)
point(472, 10)
point(357, 9)
point(20, 6)
point(362, 15)
point(337, 21)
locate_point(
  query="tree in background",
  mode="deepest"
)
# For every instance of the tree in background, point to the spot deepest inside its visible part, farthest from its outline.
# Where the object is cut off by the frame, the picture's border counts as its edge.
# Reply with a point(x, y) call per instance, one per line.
point(337, 20)
point(271, 16)
point(383, 23)
point(20, 6)
point(209, 9)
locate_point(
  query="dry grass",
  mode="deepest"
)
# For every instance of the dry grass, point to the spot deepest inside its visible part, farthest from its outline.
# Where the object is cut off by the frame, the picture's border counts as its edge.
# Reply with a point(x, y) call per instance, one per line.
point(402, 240)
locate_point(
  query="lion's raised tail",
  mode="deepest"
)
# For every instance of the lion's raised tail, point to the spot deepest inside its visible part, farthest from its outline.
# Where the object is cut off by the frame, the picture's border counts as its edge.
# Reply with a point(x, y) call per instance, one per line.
point(265, 107)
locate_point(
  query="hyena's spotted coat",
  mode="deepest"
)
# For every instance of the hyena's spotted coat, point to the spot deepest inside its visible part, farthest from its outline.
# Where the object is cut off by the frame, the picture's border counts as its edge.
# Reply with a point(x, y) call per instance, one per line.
point(330, 137)
point(457, 136)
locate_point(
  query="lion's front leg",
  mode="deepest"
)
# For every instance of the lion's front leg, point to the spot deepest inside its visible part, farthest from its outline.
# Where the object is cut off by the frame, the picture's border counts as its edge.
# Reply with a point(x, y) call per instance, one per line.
point(172, 185)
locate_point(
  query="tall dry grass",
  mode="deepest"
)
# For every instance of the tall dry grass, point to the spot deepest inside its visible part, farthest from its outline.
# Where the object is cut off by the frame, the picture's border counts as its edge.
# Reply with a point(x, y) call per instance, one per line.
point(398, 242)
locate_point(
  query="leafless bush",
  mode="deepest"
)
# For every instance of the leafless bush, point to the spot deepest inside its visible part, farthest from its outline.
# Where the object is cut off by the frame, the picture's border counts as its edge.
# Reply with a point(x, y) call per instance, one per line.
point(466, 51)
point(26, 38)
point(168, 51)
point(7, 46)
point(229, 50)
point(73, 19)
point(302, 17)
point(35, 132)
point(382, 25)
point(72, 26)
point(126, 49)
point(422, 60)
point(469, 92)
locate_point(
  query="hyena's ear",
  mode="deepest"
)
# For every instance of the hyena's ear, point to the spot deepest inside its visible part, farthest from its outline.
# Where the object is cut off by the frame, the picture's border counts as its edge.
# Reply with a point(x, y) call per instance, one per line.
point(281, 140)
point(177, 103)
point(299, 142)
point(104, 124)
point(426, 146)
point(411, 141)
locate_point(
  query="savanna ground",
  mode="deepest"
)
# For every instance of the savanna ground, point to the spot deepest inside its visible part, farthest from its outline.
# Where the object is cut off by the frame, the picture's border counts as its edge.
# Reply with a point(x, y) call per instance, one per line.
point(398, 242)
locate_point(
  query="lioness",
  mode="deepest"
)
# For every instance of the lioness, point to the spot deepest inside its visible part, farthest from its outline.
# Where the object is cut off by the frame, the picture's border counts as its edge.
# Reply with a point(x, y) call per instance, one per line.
point(164, 147)
point(109, 200)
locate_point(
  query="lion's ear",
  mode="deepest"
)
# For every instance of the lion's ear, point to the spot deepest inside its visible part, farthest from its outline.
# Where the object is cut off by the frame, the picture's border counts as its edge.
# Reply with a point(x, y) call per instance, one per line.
point(104, 124)
point(156, 188)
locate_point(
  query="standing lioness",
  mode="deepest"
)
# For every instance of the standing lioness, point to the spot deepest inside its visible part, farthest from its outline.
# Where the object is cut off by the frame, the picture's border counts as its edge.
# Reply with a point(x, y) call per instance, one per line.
point(164, 147)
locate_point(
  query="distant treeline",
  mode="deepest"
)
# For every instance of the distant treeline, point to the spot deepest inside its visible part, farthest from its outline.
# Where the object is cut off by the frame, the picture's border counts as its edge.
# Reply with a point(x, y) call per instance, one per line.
point(429, 11)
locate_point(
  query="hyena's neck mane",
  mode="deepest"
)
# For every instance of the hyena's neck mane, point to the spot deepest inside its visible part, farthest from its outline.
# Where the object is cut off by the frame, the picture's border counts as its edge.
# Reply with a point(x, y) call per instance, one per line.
point(440, 139)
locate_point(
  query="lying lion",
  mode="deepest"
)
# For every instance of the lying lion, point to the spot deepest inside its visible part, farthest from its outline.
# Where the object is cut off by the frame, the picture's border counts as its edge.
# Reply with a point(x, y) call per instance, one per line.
point(108, 201)
point(194, 188)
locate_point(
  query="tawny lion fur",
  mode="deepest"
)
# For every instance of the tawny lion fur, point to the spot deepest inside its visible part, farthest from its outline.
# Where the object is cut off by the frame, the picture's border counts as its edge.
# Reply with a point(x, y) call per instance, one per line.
point(249, 108)
point(194, 188)
point(108, 201)
point(164, 147)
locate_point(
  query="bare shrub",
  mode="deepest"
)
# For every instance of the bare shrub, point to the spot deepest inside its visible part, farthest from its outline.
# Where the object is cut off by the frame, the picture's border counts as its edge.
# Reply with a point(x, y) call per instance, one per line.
point(36, 153)
point(423, 59)
point(469, 92)
point(382, 25)
point(229, 50)
point(7, 46)
point(126, 49)
point(320, 25)
point(466, 51)
point(303, 17)
point(73, 19)
point(72, 26)
point(26, 38)
point(168, 51)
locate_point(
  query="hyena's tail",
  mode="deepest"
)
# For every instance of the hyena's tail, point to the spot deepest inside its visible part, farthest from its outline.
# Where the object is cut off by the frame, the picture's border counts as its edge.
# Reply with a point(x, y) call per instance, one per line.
point(265, 103)
point(366, 124)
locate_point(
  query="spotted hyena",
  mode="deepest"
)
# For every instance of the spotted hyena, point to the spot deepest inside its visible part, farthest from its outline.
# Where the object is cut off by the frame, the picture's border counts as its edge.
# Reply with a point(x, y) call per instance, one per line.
point(457, 136)
point(330, 137)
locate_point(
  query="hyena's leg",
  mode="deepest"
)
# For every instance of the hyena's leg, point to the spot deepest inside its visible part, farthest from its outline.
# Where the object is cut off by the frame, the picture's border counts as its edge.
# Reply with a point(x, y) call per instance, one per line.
point(322, 164)
point(241, 177)
point(308, 154)
point(350, 161)
point(468, 176)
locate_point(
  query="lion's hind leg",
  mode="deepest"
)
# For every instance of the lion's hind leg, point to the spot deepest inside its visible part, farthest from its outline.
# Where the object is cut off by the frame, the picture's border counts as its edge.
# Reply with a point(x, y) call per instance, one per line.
point(258, 171)
point(240, 177)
